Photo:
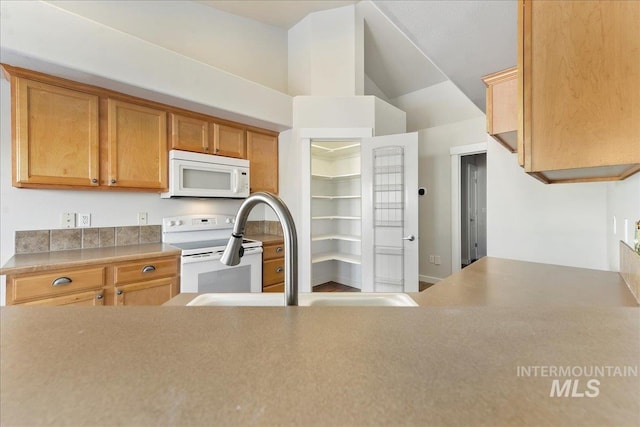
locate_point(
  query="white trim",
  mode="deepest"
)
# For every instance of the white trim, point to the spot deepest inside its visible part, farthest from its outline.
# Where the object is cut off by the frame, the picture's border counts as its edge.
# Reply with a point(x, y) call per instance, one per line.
point(456, 153)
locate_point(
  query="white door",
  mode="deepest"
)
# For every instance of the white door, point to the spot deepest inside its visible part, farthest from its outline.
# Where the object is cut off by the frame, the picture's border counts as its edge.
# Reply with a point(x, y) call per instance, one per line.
point(390, 213)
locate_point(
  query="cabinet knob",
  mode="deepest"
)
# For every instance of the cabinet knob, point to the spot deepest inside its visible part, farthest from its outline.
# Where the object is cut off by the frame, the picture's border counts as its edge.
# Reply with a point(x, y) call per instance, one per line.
point(119, 292)
point(99, 296)
point(113, 181)
point(279, 249)
point(148, 268)
point(279, 270)
point(217, 150)
point(61, 281)
point(94, 180)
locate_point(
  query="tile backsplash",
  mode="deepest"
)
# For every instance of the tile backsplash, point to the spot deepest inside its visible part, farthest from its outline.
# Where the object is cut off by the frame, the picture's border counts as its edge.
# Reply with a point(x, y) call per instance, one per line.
point(32, 241)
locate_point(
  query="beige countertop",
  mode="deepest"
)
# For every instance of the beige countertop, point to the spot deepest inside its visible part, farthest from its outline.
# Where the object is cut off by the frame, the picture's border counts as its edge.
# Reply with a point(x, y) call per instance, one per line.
point(313, 365)
point(449, 365)
point(502, 282)
point(29, 263)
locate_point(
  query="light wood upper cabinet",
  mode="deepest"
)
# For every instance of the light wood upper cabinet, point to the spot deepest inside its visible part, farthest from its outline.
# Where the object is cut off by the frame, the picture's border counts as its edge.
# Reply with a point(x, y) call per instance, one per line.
point(229, 141)
point(137, 146)
point(262, 153)
point(56, 139)
point(502, 107)
point(189, 133)
point(579, 117)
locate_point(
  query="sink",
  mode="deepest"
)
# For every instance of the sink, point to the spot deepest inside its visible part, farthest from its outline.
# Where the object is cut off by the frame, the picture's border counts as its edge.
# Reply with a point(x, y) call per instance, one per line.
point(306, 299)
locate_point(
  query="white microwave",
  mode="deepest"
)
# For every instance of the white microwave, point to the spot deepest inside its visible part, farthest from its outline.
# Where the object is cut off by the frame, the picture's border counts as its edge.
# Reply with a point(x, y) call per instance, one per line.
point(206, 175)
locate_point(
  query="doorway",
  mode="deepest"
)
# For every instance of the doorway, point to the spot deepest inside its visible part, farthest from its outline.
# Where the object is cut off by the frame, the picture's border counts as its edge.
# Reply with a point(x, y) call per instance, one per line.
point(473, 208)
point(457, 154)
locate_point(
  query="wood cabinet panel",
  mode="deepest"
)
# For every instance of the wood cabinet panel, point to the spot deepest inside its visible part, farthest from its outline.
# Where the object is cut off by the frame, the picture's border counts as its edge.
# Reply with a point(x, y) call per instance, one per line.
point(151, 292)
point(502, 107)
point(279, 287)
point(189, 133)
point(229, 141)
point(137, 146)
point(94, 298)
point(580, 82)
point(272, 251)
point(28, 287)
point(56, 138)
point(262, 153)
point(145, 270)
point(272, 272)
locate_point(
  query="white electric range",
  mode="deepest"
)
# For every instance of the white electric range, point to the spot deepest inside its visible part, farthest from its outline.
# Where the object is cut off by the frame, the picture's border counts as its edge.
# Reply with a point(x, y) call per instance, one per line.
point(202, 239)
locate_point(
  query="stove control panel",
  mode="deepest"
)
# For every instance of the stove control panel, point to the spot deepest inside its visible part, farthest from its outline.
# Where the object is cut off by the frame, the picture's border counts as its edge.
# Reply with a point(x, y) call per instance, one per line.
point(197, 222)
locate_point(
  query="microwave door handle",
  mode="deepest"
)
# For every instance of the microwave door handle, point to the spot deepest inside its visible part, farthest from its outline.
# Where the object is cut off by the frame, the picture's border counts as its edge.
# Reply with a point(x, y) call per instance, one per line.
point(236, 180)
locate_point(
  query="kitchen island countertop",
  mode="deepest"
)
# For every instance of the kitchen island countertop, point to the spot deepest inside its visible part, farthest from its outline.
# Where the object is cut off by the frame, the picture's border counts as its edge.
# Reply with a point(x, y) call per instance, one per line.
point(463, 364)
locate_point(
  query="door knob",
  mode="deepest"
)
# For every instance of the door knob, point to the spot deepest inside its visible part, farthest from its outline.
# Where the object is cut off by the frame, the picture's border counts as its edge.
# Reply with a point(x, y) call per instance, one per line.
point(410, 238)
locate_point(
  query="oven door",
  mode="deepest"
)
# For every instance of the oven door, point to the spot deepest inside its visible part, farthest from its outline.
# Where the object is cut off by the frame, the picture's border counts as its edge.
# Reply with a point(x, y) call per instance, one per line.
point(205, 273)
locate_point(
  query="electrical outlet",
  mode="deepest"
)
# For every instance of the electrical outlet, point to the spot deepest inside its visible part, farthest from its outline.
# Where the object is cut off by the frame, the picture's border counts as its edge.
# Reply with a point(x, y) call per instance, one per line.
point(67, 220)
point(437, 260)
point(431, 259)
point(142, 218)
point(84, 220)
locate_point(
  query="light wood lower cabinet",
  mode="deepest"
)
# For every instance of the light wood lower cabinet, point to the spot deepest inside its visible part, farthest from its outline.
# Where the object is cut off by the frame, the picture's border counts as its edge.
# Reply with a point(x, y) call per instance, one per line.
point(273, 267)
point(150, 282)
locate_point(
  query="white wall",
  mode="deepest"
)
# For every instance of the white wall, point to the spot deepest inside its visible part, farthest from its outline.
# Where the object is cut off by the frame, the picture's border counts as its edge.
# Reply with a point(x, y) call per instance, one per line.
point(435, 176)
point(75, 47)
point(623, 203)
point(240, 46)
point(436, 105)
point(527, 220)
point(325, 54)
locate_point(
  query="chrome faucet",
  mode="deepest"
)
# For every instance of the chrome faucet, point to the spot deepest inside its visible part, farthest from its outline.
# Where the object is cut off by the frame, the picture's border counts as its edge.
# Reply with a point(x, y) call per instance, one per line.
point(234, 251)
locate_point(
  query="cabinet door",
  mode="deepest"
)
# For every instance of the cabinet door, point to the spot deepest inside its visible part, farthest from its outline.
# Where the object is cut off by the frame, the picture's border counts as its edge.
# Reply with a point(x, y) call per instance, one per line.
point(137, 146)
point(95, 298)
point(151, 292)
point(262, 153)
point(56, 140)
point(189, 133)
point(580, 85)
point(229, 141)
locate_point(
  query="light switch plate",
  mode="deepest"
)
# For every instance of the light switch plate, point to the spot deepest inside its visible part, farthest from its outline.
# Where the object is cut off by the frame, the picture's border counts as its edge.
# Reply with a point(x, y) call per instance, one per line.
point(142, 218)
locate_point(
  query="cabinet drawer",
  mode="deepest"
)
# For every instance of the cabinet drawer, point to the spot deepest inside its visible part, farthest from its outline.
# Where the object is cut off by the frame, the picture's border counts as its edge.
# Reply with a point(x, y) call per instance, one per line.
point(273, 251)
point(274, 288)
point(272, 272)
point(91, 299)
point(145, 270)
point(28, 287)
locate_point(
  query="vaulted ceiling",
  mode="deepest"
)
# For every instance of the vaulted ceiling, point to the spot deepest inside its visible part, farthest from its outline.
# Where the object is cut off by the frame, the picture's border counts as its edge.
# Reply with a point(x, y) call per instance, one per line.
point(412, 44)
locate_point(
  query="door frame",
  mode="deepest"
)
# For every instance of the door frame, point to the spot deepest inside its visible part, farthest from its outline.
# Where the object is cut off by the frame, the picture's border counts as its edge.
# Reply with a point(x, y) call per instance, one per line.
point(305, 136)
point(456, 153)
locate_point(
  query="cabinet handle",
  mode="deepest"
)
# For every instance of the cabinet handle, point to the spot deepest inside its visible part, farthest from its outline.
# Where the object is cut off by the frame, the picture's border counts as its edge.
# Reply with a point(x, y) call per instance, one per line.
point(148, 268)
point(279, 270)
point(279, 249)
point(113, 181)
point(94, 180)
point(99, 296)
point(119, 292)
point(61, 281)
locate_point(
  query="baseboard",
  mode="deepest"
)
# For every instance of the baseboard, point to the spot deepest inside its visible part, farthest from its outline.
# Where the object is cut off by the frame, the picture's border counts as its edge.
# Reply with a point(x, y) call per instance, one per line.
point(429, 279)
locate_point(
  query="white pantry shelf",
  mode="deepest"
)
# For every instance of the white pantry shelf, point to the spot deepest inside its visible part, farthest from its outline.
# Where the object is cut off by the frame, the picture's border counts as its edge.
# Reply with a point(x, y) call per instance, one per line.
point(343, 237)
point(355, 196)
point(336, 256)
point(341, 176)
point(332, 217)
